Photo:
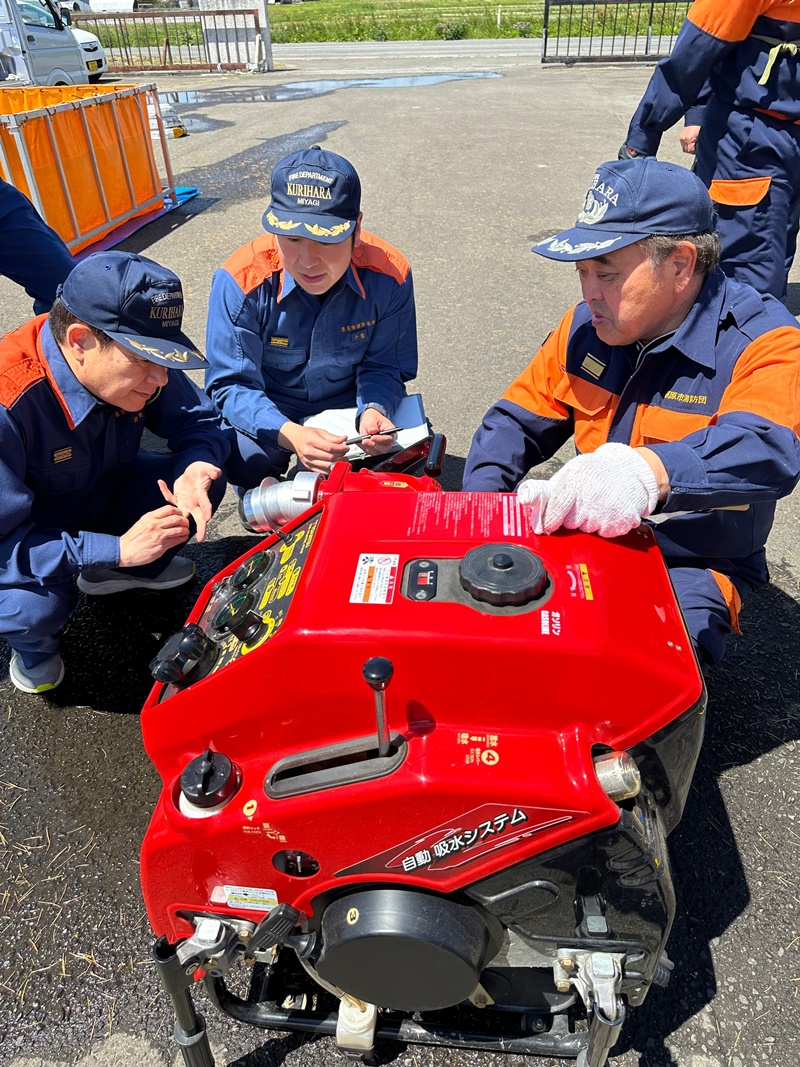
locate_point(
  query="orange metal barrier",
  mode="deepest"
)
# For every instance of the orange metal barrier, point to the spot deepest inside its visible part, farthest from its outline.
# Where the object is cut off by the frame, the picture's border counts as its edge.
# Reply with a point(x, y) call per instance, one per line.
point(84, 155)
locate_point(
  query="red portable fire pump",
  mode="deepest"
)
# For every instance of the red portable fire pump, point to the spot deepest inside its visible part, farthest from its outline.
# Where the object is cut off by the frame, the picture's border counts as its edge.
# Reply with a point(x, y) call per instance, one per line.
point(419, 766)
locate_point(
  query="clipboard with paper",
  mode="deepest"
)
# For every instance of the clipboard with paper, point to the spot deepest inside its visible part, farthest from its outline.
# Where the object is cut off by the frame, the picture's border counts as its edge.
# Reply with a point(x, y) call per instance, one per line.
point(410, 414)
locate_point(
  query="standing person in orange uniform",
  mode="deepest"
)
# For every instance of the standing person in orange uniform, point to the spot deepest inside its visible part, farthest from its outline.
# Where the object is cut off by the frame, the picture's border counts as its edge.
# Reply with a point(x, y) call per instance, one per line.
point(748, 149)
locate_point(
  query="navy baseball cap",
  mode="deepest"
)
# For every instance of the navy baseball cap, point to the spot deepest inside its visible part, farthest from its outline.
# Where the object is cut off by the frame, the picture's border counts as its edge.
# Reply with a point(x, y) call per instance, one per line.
point(315, 194)
point(628, 200)
point(134, 300)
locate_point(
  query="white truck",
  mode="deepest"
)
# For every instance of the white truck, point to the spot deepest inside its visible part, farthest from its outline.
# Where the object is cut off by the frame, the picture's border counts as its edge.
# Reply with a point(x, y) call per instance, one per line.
point(38, 46)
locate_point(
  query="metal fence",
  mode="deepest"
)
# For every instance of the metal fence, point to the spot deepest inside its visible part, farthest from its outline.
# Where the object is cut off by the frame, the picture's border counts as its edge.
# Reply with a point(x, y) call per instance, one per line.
point(579, 31)
point(177, 40)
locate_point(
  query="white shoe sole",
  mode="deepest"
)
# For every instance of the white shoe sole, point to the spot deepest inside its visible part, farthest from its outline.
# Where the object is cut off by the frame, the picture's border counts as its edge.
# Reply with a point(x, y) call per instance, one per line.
point(122, 585)
point(19, 684)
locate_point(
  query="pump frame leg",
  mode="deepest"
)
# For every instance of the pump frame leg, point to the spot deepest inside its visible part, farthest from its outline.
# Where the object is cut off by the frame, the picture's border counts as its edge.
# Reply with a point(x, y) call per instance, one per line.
point(603, 1033)
point(190, 1027)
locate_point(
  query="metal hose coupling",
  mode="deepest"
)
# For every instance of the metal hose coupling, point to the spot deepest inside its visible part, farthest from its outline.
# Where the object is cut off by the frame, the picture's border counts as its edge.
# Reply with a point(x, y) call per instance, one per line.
point(274, 503)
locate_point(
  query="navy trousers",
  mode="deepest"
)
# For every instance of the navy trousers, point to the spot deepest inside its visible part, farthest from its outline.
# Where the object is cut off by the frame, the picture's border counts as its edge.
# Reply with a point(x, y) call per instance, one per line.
point(250, 462)
point(32, 617)
point(705, 611)
point(757, 225)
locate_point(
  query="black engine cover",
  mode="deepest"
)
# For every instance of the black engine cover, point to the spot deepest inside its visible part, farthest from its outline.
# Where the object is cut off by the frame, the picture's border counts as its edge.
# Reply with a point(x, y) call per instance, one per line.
point(405, 949)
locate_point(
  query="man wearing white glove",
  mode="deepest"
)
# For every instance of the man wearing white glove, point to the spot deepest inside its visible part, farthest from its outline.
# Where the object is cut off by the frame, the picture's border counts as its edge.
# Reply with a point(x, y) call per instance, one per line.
point(678, 385)
point(607, 492)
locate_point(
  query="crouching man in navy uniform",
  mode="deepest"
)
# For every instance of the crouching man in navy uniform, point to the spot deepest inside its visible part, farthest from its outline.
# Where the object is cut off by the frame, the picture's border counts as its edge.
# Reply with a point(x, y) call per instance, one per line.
point(316, 315)
point(79, 498)
point(678, 384)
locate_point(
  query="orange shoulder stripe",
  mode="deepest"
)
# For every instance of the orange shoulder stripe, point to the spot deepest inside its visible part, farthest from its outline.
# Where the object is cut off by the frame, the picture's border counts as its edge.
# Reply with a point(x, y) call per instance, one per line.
point(733, 21)
point(374, 254)
point(535, 389)
point(19, 377)
point(766, 379)
point(23, 364)
point(254, 262)
point(20, 366)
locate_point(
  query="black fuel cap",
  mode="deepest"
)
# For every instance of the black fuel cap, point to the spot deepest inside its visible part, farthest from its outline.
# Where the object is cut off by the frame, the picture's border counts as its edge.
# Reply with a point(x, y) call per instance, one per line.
point(502, 574)
point(209, 780)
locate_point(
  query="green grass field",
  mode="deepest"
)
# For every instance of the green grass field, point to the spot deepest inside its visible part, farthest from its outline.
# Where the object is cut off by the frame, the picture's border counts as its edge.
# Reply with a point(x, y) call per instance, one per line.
point(406, 20)
point(419, 20)
point(416, 20)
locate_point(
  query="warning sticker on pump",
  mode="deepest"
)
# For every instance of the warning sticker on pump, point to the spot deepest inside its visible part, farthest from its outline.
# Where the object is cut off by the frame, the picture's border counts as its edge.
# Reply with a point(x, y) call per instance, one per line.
point(249, 897)
point(375, 579)
point(476, 515)
point(580, 584)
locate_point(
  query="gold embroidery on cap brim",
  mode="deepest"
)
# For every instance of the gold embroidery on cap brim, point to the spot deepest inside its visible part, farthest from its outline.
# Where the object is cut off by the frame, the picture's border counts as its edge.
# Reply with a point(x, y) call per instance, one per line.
point(273, 220)
point(334, 231)
point(177, 356)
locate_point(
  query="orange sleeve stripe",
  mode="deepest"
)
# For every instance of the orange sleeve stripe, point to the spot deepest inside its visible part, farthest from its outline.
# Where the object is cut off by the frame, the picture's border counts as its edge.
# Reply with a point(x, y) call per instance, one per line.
point(732, 21)
point(374, 254)
point(254, 262)
point(766, 380)
point(533, 390)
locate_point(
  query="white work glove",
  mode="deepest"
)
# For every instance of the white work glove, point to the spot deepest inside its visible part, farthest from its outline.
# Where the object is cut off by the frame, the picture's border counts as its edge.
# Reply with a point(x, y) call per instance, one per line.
point(607, 492)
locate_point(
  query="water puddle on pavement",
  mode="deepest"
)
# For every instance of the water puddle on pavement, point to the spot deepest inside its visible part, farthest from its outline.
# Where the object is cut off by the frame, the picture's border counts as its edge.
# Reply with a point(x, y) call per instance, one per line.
point(304, 90)
point(192, 99)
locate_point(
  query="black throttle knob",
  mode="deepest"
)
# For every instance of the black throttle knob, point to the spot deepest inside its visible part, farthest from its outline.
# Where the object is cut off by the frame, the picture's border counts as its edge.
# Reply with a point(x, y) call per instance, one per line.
point(378, 672)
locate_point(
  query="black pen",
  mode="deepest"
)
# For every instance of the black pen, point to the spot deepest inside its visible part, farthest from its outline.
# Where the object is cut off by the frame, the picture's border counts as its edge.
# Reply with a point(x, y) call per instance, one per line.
point(376, 433)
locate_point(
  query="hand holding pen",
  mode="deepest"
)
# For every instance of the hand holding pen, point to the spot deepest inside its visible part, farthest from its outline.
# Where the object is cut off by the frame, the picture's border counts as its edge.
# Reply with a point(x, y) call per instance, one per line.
point(376, 433)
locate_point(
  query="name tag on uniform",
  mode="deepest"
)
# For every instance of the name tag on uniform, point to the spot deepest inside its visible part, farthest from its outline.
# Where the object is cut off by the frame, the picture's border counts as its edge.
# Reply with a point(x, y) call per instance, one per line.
point(61, 455)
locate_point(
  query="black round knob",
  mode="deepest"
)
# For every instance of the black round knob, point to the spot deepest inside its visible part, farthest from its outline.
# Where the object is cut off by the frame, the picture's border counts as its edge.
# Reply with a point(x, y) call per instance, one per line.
point(378, 672)
point(181, 655)
point(501, 561)
point(502, 574)
point(209, 779)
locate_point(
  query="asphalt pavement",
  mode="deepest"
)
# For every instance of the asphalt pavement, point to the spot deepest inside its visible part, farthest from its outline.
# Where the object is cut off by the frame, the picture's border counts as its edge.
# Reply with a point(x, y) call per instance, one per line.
point(468, 153)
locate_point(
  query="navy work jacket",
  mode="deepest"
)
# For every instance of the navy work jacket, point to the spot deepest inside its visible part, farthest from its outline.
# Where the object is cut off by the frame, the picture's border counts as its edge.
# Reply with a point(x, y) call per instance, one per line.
point(717, 400)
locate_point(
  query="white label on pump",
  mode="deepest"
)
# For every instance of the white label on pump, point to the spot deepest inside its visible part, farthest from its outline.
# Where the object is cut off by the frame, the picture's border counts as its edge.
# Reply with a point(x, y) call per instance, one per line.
point(375, 579)
point(249, 897)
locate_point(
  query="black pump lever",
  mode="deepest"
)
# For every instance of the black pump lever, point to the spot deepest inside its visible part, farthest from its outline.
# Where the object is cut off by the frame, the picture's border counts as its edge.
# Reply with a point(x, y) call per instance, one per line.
point(378, 673)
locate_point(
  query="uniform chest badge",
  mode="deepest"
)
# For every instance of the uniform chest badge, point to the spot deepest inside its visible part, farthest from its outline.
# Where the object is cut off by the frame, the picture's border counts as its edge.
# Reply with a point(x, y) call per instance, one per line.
point(593, 366)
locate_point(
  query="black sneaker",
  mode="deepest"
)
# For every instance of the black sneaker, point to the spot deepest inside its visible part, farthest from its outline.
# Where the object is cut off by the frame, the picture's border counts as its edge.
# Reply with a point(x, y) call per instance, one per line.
point(178, 571)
